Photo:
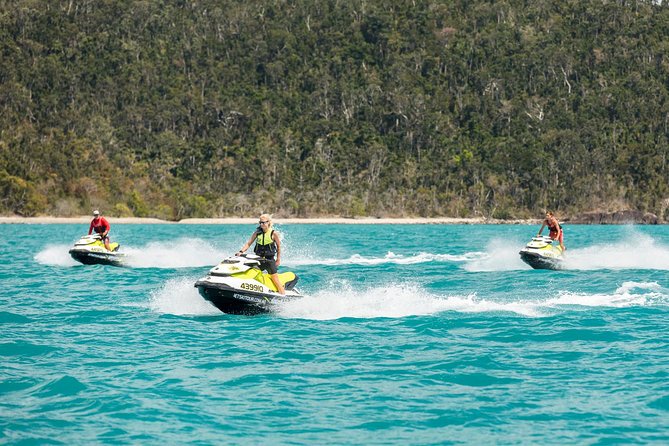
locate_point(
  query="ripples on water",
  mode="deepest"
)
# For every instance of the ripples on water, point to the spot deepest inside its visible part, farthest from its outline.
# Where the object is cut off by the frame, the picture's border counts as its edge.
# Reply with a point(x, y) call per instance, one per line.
point(400, 339)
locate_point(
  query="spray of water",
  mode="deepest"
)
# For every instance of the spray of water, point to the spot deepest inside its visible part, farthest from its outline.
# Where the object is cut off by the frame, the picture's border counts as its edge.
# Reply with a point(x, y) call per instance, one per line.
point(55, 255)
point(402, 300)
point(391, 301)
point(637, 251)
point(627, 295)
point(389, 258)
point(500, 255)
point(179, 297)
point(181, 253)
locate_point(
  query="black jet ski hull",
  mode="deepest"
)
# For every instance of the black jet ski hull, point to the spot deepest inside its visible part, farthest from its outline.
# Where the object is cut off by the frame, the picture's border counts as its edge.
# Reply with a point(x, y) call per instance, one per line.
point(537, 261)
point(234, 301)
point(96, 258)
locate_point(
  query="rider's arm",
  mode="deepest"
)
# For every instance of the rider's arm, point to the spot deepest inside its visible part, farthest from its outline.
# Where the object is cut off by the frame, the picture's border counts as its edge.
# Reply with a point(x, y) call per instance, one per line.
point(90, 228)
point(277, 240)
point(557, 225)
point(543, 225)
point(247, 244)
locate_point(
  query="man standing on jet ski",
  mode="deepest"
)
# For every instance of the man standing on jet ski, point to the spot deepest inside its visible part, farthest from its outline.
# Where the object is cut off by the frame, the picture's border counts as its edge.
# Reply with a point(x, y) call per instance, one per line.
point(554, 228)
point(101, 227)
point(268, 244)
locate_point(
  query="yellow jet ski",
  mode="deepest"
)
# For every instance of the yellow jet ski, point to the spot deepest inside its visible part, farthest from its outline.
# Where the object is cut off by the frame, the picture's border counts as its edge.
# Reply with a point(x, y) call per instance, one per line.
point(542, 252)
point(90, 250)
point(238, 286)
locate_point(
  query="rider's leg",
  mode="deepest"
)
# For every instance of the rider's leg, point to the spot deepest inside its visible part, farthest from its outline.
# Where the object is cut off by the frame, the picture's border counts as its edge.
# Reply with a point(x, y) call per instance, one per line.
point(278, 284)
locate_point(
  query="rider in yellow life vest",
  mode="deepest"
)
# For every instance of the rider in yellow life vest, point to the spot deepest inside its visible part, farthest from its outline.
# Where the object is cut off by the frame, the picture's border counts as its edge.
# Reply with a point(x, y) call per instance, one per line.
point(268, 244)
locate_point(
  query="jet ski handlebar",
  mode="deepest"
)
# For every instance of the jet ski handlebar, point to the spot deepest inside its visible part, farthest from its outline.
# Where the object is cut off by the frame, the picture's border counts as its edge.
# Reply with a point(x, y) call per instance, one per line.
point(94, 236)
point(248, 256)
point(246, 259)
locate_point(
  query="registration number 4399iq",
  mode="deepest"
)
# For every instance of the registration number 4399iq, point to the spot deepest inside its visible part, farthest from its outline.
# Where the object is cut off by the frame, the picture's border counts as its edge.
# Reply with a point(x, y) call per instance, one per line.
point(251, 287)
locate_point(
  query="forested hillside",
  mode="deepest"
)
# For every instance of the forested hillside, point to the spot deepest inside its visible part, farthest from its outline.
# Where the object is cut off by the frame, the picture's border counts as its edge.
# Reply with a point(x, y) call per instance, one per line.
point(208, 108)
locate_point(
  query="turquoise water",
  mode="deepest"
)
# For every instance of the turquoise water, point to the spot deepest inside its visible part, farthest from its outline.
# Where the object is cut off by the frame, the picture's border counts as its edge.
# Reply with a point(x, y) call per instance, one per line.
point(409, 334)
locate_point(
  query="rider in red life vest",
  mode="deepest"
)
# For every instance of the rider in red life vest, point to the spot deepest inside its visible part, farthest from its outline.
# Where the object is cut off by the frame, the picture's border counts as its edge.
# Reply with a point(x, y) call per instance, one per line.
point(101, 227)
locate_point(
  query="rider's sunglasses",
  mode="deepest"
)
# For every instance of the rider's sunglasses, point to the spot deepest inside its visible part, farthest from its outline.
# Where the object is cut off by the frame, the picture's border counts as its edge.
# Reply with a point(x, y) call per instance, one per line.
point(263, 222)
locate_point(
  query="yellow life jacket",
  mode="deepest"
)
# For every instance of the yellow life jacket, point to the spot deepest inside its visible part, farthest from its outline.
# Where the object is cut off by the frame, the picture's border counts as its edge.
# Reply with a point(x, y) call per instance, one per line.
point(265, 245)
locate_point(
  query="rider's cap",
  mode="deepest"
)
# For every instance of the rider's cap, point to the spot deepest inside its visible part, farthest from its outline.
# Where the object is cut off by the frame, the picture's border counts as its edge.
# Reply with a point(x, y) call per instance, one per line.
point(96, 212)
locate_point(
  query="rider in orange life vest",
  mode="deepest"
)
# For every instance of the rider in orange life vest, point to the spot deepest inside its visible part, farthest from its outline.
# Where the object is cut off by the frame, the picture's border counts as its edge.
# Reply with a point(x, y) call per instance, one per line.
point(268, 244)
point(101, 226)
point(554, 228)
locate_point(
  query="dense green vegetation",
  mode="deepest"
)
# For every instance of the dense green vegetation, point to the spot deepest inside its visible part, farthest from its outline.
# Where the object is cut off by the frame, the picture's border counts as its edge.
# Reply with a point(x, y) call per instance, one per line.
point(304, 108)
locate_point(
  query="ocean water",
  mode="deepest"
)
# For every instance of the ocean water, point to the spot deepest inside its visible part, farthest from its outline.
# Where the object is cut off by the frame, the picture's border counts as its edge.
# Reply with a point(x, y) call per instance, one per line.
point(408, 334)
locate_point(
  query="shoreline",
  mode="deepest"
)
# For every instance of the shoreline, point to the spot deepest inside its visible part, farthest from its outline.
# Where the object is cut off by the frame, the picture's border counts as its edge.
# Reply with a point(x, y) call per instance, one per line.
point(250, 221)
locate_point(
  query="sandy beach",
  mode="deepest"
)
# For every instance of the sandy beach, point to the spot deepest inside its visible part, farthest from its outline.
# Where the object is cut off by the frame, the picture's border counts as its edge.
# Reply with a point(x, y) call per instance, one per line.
point(253, 220)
